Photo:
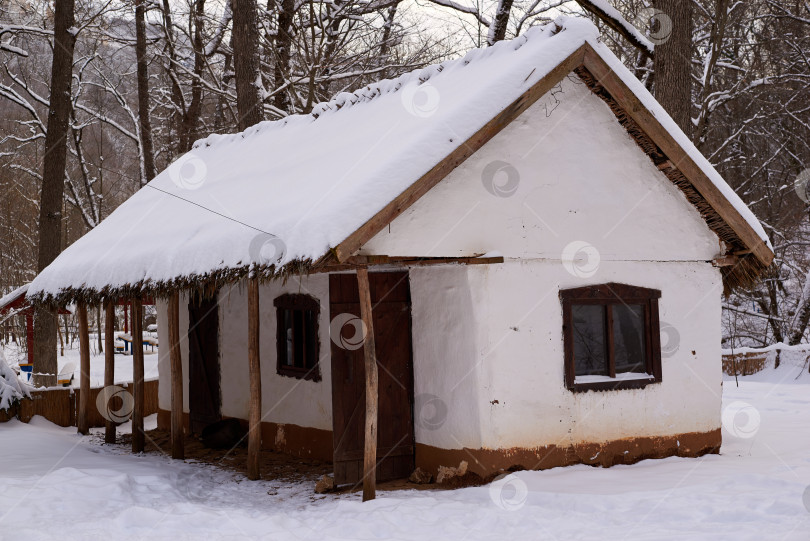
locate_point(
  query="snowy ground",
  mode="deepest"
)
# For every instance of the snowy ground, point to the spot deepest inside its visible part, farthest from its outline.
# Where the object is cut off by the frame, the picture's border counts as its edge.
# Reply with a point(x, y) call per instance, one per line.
point(54, 483)
point(123, 363)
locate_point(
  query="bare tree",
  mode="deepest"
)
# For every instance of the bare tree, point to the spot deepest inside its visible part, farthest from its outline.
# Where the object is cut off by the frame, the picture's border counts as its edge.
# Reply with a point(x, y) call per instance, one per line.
point(673, 60)
point(147, 149)
point(246, 63)
point(53, 182)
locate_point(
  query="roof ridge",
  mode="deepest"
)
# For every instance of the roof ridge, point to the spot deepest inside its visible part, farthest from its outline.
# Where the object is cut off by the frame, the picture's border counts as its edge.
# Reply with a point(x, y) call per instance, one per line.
point(372, 91)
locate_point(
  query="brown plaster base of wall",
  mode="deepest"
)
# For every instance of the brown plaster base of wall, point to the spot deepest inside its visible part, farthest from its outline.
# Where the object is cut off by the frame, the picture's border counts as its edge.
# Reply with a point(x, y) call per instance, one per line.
point(295, 440)
point(487, 462)
point(317, 444)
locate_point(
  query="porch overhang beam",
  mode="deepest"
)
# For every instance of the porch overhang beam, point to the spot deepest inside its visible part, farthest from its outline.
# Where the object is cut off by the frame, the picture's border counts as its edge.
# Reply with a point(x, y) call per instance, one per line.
point(366, 261)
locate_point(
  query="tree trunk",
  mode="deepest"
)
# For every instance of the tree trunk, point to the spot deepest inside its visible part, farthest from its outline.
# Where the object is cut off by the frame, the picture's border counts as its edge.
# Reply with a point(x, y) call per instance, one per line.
point(53, 183)
point(147, 147)
point(246, 62)
point(673, 60)
point(283, 44)
point(497, 28)
point(385, 45)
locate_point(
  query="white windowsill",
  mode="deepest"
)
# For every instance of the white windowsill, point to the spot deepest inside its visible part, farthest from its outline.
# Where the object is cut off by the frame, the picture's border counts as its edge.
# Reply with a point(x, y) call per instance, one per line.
point(624, 376)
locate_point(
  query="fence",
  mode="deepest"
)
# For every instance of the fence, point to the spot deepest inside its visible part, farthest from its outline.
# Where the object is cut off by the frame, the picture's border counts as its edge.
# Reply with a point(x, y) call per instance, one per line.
point(744, 364)
point(59, 405)
point(747, 361)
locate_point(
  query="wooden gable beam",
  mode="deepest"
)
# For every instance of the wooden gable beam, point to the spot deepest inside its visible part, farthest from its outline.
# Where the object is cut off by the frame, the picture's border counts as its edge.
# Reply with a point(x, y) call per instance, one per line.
point(678, 157)
point(403, 201)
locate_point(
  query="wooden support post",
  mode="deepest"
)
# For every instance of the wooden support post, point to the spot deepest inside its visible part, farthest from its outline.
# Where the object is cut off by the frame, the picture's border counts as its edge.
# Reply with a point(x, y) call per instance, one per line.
point(29, 334)
point(254, 367)
point(109, 362)
point(84, 378)
point(137, 376)
point(370, 447)
point(176, 362)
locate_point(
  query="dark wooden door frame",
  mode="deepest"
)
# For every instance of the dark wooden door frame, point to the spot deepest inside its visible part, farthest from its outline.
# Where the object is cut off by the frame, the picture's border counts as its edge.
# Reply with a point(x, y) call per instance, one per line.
point(395, 453)
point(204, 391)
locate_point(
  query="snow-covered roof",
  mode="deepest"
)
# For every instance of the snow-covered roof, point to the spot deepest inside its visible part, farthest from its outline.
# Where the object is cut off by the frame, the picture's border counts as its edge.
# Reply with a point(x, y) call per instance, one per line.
point(290, 190)
point(12, 296)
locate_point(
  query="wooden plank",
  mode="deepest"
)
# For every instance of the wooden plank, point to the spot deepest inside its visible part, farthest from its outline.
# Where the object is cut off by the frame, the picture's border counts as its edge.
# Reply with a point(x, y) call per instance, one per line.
point(84, 377)
point(403, 262)
point(403, 201)
point(176, 363)
point(254, 367)
point(370, 439)
point(625, 97)
point(109, 363)
point(726, 261)
point(137, 376)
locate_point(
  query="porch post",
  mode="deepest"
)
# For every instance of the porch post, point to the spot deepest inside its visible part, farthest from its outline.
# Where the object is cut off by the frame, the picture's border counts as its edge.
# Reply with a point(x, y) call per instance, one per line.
point(109, 362)
point(29, 334)
point(370, 440)
point(137, 375)
point(82, 423)
point(254, 367)
point(176, 362)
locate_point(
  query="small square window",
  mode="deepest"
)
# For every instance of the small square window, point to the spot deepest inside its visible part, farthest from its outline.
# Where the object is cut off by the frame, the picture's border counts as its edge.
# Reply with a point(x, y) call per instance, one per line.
point(610, 334)
point(297, 343)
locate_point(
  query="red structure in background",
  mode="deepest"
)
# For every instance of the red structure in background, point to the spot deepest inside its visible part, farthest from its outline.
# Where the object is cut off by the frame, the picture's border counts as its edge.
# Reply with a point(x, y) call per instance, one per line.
point(16, 303)
point(147, 301)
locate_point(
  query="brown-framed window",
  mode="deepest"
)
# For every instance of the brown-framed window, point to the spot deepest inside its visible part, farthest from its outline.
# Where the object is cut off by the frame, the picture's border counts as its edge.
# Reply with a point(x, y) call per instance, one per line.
point(611, 337)
point(297, 343)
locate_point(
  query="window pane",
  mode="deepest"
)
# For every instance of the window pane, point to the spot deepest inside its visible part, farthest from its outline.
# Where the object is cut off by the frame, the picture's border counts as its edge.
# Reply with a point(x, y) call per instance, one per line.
point(311, 339)
point(298, 338)
point(589, 339)
point(288, 331)
point(628, 338)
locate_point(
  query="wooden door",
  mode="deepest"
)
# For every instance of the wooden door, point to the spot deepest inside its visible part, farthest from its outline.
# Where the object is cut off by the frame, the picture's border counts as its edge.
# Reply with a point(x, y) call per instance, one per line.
point(391, 311)
point(203, 362)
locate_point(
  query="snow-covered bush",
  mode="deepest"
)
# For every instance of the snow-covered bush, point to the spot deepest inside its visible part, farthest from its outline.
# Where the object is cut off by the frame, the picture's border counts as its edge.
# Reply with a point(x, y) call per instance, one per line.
point(11, 388)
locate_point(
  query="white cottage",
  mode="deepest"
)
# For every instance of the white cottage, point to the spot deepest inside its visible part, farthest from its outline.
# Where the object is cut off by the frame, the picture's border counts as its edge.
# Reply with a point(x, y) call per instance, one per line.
point(545, 254)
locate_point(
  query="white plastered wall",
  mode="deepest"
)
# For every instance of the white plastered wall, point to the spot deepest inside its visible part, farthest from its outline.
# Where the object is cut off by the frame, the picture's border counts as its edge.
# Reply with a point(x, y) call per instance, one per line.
point(164, 361)
point(488, 343)
point(488, 339)
point(285, 400)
